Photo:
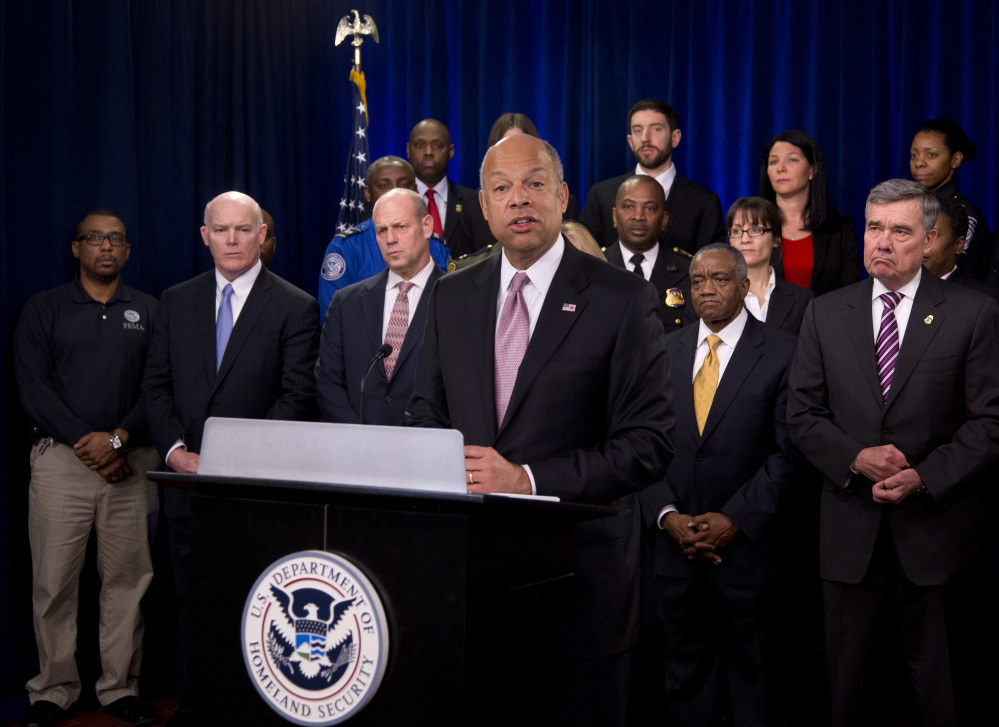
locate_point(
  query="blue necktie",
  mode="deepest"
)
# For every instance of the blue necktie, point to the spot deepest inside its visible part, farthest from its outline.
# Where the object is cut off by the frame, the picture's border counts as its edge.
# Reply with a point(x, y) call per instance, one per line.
point(223, 325)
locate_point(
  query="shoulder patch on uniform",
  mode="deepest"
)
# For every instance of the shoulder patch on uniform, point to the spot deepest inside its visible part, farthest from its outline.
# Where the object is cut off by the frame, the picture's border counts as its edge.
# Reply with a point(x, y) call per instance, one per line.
point(684, 253)
point(452, 266)
point(349, 232)
point(334, 266)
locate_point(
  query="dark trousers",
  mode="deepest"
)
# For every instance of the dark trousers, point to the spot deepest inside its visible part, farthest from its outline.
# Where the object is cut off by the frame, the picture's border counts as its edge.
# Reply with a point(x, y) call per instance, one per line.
point(719, 633)
point(575, 693)
point(940, 629)
point(179, 538)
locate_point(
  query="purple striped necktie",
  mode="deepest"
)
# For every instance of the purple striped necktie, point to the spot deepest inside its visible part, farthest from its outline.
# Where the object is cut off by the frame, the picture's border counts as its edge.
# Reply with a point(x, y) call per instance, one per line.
point(512, 336)
point(887, 345)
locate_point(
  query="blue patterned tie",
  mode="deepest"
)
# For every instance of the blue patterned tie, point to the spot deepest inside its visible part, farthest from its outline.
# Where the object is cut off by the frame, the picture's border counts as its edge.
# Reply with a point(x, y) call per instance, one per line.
point(223, 325)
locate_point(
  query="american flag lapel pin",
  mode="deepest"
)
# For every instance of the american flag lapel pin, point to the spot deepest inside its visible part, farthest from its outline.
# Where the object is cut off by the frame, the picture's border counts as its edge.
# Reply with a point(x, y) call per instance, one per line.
point(570, 307)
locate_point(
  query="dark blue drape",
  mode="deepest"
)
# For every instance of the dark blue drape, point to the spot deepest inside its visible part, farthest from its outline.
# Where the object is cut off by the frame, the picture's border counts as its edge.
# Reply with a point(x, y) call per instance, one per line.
point(151, 107)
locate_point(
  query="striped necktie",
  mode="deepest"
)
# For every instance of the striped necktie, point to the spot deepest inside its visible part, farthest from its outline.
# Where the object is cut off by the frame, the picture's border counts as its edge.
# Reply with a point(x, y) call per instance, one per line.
point(887, 344)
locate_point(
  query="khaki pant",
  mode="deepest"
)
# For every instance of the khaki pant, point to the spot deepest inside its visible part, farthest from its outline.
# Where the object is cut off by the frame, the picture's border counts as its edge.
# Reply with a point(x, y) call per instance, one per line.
point(65, 499)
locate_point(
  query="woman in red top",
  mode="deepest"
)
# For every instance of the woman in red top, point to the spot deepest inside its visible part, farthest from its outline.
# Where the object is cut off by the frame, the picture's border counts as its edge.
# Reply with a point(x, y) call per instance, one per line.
point(819, 244)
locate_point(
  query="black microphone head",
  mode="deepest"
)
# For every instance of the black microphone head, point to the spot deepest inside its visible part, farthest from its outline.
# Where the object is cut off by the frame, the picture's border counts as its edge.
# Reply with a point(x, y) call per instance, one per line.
point(385, 350)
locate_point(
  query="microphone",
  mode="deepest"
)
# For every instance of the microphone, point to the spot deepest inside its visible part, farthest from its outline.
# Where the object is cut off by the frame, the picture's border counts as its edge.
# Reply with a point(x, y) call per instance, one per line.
point(384, 350)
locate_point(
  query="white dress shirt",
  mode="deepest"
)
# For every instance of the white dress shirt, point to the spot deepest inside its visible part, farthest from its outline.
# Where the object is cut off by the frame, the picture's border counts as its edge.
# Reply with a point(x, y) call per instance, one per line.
point(540, 275)
point(647, 264)
point(665, 179)
point(753, 303)
point(440, 198)
point(902, 310)
point(419, 282)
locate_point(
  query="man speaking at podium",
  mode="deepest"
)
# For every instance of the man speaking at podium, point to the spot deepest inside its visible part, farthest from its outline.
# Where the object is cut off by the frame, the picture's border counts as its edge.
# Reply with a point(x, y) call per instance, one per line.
point(553, 366)
point(388, 310)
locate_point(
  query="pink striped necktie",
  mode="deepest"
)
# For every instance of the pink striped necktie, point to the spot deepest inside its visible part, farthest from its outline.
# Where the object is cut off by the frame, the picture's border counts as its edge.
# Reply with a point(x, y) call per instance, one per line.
point(887, 345)
point(512, 335)
point(398, 324)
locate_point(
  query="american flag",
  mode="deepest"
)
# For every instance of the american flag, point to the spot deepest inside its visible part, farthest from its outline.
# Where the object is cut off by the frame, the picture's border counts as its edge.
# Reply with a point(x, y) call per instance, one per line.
point(354, 179)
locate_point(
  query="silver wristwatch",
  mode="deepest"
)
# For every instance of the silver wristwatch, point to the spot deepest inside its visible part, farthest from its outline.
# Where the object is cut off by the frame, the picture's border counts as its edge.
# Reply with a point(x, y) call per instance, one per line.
point(115, 440)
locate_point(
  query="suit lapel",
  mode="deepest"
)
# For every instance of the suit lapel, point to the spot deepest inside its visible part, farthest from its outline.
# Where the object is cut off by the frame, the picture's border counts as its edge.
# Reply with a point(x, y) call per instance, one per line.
point(678, 192)
point(372, 300)
point(613, 255)
point(415, 331)
point(204, 322)
point(925, 319)
point(256, 301)
point(748, 352)
point(480, 330)
point(454, 199)
point(682, 364)
point(554, 322)
point(860, 332)
point(780, 306)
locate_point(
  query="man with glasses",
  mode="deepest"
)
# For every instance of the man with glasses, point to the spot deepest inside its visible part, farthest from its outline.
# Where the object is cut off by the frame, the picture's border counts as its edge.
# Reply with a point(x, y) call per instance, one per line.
point(79, 355)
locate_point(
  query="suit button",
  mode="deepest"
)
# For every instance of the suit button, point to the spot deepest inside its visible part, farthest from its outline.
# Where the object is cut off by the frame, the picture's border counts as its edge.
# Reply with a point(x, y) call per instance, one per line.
point(885, 434)
point(700, 456)
point(678, 321)
point(388, 399)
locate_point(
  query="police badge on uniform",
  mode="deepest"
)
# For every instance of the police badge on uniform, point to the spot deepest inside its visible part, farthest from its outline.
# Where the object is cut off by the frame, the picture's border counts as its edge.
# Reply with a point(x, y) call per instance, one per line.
point(334, 266)
point(674, 298)
point(315, 638)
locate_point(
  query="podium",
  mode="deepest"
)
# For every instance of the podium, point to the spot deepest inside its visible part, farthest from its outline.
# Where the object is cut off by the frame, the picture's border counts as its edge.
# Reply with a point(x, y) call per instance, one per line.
point(469, 584)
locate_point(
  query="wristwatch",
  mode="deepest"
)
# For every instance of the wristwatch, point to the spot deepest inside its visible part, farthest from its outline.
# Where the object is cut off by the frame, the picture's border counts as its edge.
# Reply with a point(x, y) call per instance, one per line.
point(115, 440)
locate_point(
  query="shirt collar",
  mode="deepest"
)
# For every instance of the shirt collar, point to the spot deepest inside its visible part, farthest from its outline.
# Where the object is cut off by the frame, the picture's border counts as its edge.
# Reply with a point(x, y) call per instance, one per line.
point(665, 179)
point(440, 188)
point(240, 286)
point(651, 254)
point(729, 335)
point(540, 273)
point(80, 294)
point(419, 280)
point(908, 290)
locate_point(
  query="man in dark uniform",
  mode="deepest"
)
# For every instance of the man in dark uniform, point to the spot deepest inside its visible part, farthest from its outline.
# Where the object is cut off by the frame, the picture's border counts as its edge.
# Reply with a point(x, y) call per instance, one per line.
point(640, 216)
point(79, 354)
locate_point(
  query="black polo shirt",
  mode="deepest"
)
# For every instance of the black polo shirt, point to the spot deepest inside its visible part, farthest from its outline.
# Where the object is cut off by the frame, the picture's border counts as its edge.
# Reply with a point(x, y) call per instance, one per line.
point(79, 362)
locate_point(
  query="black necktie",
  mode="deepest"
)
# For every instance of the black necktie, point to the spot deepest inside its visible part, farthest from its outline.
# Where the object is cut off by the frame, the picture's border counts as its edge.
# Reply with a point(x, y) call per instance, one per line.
point(636, 260)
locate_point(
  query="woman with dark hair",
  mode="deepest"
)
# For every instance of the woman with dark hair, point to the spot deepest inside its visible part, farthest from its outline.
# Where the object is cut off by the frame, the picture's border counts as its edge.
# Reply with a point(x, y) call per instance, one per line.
point(512, 123)
point(939, 147)
point(753, 226)
point(819, 244)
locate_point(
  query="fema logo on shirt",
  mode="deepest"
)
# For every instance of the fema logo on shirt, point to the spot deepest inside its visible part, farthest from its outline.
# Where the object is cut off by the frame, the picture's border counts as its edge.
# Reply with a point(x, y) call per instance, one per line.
point(132, 321)
point(334, 266)
point(315, 638)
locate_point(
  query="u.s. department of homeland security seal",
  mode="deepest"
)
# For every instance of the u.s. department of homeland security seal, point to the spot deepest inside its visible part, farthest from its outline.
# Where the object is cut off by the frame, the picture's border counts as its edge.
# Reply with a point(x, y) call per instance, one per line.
point(315, 638)
point(334, 266)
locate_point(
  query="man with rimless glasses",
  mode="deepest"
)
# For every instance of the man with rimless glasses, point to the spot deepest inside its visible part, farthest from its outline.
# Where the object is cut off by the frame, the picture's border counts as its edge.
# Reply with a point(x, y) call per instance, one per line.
point(79, 354)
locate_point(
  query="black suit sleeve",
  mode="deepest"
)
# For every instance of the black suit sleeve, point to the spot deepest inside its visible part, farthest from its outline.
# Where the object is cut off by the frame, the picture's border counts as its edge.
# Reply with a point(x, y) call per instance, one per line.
point(299, 350)
point(331, 384)
point(711, 225)
point(164, 425)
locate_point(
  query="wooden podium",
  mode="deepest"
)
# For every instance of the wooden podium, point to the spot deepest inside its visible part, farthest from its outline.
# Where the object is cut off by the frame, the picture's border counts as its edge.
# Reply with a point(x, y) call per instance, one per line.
point(468, 582)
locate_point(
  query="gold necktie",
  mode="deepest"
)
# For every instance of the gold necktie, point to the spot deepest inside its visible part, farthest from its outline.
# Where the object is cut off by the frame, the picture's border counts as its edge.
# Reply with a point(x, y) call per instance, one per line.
point(705, 383)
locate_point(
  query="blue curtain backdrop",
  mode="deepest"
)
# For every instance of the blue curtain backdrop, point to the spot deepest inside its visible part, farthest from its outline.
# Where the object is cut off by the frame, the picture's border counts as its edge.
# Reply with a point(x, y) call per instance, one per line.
point(152, 107)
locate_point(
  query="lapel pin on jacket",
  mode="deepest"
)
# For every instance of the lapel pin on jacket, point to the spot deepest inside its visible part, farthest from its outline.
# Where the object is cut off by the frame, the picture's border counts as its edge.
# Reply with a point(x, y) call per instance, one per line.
point(928, 320)
point(570, 307)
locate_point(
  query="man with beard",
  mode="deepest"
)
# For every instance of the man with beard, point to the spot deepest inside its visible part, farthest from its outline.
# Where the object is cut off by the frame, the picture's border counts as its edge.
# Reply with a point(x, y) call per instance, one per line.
point(640, 216)
point(695, 213)
point(79, 354)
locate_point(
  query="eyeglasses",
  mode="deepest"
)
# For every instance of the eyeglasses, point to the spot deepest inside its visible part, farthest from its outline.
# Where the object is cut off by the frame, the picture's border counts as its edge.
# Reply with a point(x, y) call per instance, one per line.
point(735, 233)
point(96, 239)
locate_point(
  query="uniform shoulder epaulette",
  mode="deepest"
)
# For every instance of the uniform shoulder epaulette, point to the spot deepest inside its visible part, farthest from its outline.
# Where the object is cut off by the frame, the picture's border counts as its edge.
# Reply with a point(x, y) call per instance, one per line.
point(349, 232)
point(470, 258)
point(684, 253)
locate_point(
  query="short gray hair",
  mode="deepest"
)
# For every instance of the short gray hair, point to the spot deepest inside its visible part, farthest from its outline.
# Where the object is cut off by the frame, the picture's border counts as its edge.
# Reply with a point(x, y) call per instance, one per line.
point(552, 154)
point(738, 261)
point(902, 190)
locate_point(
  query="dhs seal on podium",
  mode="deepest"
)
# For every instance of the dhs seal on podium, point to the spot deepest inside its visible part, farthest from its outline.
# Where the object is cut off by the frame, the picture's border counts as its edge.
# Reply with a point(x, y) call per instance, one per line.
point(315, 638)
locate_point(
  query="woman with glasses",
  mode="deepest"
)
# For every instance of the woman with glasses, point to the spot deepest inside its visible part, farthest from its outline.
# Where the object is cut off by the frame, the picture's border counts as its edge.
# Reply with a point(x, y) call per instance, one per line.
point(819, 244)
point(753, 226)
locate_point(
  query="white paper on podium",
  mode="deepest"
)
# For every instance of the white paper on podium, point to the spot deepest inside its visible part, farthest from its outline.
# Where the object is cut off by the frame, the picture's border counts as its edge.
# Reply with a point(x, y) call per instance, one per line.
point(407, 458)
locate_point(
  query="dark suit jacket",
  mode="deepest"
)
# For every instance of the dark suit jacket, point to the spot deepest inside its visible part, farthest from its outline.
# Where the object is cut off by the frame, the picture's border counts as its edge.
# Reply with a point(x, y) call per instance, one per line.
point(835, 260)
point(266, 372)
point(695, 214)
point(961, 278)
point(671, 272)
point(942, 413)
point(787, 306)
point(589, 414)
point(351, 336)
point(741, 466)
point(460, 222)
